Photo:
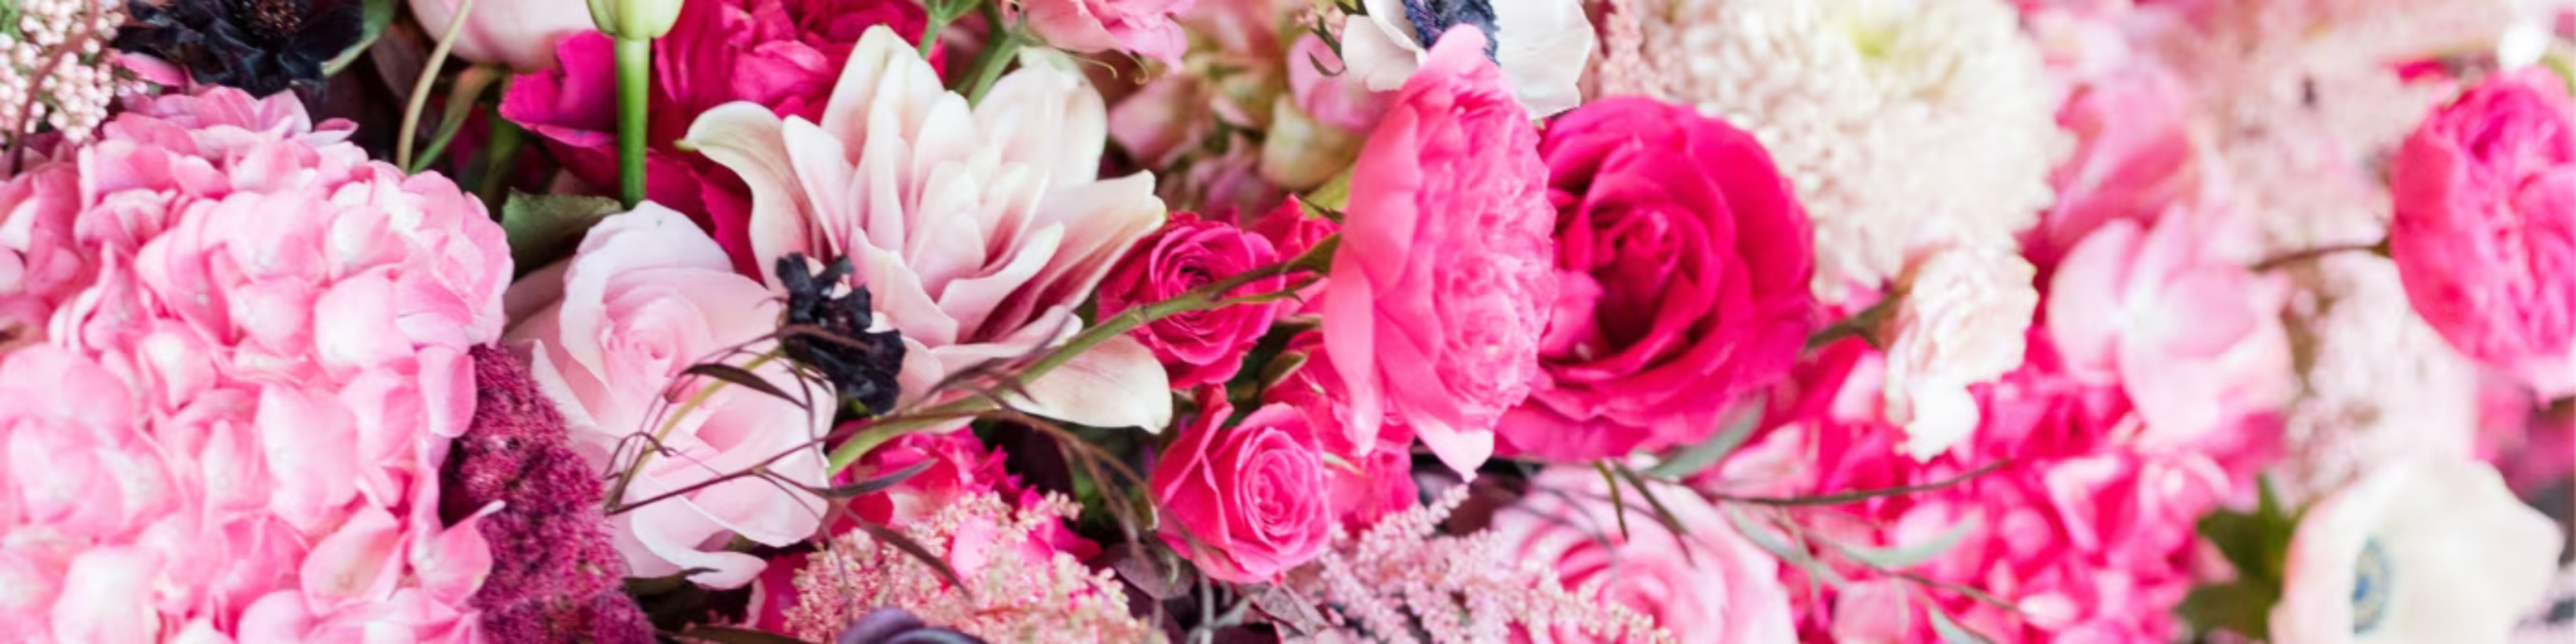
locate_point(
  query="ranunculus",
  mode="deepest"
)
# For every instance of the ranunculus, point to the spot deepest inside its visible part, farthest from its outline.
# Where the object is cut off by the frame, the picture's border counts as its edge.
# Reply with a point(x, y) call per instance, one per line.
point(1240, 501)
point(1543, 46)
point(255, 358)
point(2196, 340)
point(1196, 347)
point(978, 229)
point(646, 297)
point(1141, 27)
point(519, 33)
point(1961, 320)
point(1684, 265)
point(2485, 230)
point(1707, 584)
point(1442, 284)
point(2431, 550)
point(781, 54)
point(1379, 480)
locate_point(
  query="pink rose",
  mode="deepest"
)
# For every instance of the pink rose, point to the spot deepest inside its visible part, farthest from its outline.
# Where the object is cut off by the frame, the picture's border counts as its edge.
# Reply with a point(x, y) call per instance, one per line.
point(1379, 481)
point(1684, 261)
point(2485, 230)
point(1239, 501)
point(647, 296)
point(1196, 347)
point(519, 33)
point(1141, 27)
point(2195, 340)
point(1706, 585)
point(1445, 268)
point(782, 54)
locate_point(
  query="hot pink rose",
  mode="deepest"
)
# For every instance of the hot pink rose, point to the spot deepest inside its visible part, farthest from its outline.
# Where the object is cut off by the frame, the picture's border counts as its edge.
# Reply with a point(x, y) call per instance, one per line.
point(1141, 27)
point(1445, 270)
point(1684, 261)
point(2485, 233)
point(782, 54)
point(1197, 347)
point(1380, 479)
point(1239, 501)
point(1706, 585)
point(647, 296)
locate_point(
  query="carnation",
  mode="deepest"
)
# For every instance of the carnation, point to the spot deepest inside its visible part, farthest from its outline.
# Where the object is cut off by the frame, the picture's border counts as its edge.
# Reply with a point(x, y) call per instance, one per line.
point(234, 424)
point(1898, 122)
point(1960, 321)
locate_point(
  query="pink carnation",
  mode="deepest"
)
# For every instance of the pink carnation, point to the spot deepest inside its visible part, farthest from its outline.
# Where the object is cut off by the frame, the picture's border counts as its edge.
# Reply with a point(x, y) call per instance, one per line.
point(1196, 347)
point(2485, 234)
point(234, 425)
point(1446, 268)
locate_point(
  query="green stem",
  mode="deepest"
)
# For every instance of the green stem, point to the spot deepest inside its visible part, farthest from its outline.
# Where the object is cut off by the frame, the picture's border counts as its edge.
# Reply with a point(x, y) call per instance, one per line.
point(2305, 255)
point(617, 491)
point(634, 80)
point(428, 79)
point(997, 55)
point(938, 22)
point(500, 158)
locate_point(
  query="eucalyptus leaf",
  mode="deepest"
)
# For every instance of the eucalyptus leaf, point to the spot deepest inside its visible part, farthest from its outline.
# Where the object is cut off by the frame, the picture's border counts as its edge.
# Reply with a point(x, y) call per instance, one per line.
point(2239, 606)
point(1771, 543)
point(1901, 556)
point(1739, 428)
point(1949, 630)
point(544, 228)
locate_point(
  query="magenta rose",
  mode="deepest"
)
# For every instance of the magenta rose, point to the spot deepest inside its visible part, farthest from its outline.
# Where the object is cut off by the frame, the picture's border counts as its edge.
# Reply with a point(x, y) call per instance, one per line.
point(1240, 501)
point(2485, 233)
point(782, 54)
point(1685, 268)
point(1446, 270)
point(1195, 347)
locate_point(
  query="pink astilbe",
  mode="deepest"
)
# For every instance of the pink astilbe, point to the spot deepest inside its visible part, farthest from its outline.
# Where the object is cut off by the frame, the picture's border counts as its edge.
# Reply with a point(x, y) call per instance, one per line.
point(1021, 590)
point(1401, 573)
point(555, 575)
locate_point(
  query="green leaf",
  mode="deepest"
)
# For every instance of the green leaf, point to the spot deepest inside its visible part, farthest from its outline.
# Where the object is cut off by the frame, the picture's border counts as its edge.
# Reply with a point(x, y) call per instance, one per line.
point(544, 228)
point(1894, 557)
point(1768, 542)
point(1690, 460)
point(730, 635)
point(2239, 606)
point(1950, 631)
point(461, 96)
point(379, 14)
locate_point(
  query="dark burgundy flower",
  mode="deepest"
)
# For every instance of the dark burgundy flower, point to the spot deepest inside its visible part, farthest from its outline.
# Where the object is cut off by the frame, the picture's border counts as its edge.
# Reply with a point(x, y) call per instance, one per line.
point(861, 364)
point(261, 46)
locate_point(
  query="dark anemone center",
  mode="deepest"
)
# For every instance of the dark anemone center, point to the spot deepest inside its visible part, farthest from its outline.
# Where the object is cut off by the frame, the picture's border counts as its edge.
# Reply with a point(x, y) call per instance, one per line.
point(1431, 18)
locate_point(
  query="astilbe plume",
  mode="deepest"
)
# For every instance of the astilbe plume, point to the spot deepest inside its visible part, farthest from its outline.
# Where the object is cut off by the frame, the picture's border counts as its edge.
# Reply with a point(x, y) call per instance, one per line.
point(1400, 573)
point(57, 70)
point(555, 575)
point(1016, 597)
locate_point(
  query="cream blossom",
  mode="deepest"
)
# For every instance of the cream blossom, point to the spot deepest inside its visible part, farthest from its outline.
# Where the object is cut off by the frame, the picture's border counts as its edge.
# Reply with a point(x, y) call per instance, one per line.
point(2431, 550)
point(1898, 121)
point(1961, 321)
point(977, 228)
point(1543, 46)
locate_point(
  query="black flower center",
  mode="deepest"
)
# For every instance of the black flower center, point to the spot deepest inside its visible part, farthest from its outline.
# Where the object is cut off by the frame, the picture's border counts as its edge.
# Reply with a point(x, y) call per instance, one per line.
point(1431, 18)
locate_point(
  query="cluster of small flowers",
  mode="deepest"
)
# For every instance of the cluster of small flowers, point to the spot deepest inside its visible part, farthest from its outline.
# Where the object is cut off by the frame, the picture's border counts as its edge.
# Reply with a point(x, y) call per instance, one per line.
point(1013, 594)
point(1401, 572)
point(59, 71)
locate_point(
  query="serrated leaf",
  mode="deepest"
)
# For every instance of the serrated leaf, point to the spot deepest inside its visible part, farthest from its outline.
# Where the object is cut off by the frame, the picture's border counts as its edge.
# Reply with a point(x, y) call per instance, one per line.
point(1900, 556)
point(1690, 460)
point(1950, 631)
point(871, 486)
point(730, 635)
point(544, 228)
point(2239, 606)
point(904, 542)
point(741, 377)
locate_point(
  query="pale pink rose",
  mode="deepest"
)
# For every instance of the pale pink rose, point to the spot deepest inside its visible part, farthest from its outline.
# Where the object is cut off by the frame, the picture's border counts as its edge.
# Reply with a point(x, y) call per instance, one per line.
point(1446, 262)
point(647, 296)
point(2195, 340)
point(1141, 27)
point(1708, 584)
point(1961, 320)
point(2485, 228)
point(520, 34)
point(2421, 550)
point(1239, 501)
point(977, 229)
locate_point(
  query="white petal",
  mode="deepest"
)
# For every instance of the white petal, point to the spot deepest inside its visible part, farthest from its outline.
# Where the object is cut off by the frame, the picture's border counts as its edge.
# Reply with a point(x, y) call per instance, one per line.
point(1115, 384)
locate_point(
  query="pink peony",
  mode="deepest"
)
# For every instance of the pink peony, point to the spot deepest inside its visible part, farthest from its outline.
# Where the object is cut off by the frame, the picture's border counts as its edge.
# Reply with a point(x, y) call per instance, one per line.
point(1707, 584)
point(1444, 273)
point(2195, 340)
point(1141, 27)
point(1197, 347)
point(1684, 259)
point(646, 297)
point(1239, 501)
point(977, 229)
point(2485, 231)
point(1379, 479)
point(781, 54)
point(233, 425)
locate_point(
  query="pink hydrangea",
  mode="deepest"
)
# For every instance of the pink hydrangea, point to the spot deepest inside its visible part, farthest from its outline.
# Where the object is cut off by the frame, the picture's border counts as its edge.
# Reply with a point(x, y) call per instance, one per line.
point(2195, 339)
point(1446, 270)
point(234, 423)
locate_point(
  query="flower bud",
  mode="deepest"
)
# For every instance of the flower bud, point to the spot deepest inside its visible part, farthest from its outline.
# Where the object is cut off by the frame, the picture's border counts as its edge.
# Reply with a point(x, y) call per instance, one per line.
point(635, 18)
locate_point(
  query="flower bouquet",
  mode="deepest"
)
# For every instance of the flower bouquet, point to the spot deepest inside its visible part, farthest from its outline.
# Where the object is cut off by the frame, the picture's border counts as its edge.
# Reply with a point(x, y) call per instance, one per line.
point(925, 321)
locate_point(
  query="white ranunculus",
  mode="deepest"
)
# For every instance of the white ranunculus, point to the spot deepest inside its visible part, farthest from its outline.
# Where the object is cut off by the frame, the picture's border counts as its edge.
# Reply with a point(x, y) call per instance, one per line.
point(2416, 551)
point(1543, 47)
